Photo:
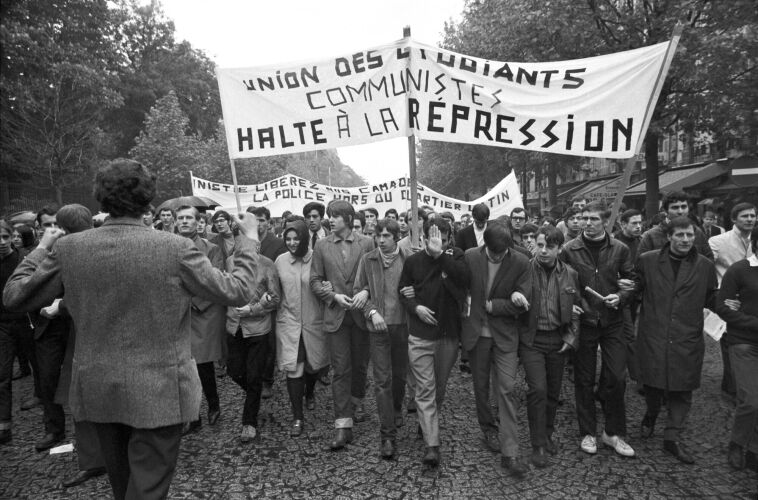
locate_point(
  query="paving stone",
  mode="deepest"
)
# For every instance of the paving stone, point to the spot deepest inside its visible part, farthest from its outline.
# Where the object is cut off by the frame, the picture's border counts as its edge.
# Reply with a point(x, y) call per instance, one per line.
point(214, 464)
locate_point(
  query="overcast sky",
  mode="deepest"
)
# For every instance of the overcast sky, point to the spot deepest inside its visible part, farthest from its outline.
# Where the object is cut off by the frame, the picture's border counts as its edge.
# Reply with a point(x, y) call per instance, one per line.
point(239, 33)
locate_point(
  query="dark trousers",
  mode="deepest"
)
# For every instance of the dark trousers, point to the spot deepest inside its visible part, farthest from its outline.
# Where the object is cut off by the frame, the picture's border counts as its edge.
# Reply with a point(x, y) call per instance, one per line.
point(480, 362)
point(207, 375)
point(140, 462)
point(10, 343)
point(728, 384)
point(389, 357)
point(247, 357)
point(270, 362)
point(744, 359)
point(349, 350)
point(629, 334)
point(543, 366)
point(50, 348)
point(613, 376)
point(678, 404)
point(87, 446)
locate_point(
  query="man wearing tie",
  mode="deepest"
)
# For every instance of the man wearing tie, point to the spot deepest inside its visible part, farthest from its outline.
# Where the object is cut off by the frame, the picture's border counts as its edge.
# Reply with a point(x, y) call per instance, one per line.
point(314, 215)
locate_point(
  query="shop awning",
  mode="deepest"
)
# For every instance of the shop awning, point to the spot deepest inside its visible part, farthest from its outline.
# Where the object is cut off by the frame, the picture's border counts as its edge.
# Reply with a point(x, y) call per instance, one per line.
point(681, 178)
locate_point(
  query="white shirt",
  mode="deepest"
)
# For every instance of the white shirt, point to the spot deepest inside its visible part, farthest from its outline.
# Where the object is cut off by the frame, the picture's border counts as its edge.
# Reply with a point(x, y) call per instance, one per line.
point(729, 248)
point(479, 235)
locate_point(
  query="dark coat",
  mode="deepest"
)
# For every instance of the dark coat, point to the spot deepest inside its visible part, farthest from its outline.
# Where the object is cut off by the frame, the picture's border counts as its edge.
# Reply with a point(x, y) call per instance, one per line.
point(670, 344)
point(272, 246)
point(506, 319)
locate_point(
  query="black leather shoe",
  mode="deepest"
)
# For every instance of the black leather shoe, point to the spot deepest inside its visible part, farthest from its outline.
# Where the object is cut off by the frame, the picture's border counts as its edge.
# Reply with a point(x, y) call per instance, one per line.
point(419, 431)
point(550, 446)
point(492, 441)
point(296, 429)
point(310, 402)
point(539, 457)
point(387, 449)
point(647, 426)
point(515, 466)
point(341, 438)
point(82, 476)
point(736, 456)
point(5, 436)
point(49, 441)
point(190, 427)
point(432, 456)
point(213, 416)
point(679, 451)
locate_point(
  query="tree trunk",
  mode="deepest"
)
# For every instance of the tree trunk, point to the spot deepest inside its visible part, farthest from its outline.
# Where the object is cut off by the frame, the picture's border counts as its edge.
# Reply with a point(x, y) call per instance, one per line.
point(58, 195)
point(651, 175)
point(552, 188)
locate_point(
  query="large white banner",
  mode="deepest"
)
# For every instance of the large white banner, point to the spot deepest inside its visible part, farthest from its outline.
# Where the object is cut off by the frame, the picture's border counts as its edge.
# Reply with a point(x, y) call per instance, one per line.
point(290, 192)
point(585, 107)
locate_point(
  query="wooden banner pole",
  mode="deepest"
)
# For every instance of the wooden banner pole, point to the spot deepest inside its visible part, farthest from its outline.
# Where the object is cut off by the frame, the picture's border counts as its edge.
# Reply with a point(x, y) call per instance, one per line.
point(415, 235)
point(629, 165)
point(236, 190)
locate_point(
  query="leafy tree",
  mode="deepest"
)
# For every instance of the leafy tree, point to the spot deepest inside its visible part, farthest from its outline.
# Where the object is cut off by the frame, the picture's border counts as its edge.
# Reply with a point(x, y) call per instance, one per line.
point(57, 79)
point(712, 85)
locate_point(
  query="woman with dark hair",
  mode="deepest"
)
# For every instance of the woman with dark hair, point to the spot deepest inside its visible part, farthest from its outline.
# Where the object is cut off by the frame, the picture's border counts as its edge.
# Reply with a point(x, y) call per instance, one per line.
point(300, 339)
point(23, 239)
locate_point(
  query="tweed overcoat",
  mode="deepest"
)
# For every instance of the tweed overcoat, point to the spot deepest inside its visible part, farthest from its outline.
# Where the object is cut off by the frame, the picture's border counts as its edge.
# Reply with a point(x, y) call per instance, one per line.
point(128, 289)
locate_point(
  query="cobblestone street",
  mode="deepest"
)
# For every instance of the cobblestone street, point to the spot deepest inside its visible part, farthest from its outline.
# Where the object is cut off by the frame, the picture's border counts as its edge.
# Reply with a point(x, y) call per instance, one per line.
point(214, 464)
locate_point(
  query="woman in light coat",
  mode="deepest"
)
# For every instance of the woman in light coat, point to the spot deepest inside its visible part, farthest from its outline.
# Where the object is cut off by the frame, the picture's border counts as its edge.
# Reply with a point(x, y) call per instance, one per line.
point(301, 342)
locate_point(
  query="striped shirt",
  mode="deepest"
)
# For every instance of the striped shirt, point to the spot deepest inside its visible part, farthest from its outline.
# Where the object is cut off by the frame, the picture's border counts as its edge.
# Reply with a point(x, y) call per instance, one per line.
point(549, 314)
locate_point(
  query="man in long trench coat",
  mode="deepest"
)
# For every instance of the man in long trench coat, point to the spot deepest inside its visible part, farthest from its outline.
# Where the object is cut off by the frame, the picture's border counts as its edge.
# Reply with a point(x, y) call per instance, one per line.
point(675, 284)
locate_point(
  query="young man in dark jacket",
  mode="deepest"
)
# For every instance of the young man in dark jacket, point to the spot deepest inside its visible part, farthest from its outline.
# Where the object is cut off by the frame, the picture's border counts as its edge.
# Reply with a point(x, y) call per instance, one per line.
point(675, 284)
point(600, 260)
point(437, 275)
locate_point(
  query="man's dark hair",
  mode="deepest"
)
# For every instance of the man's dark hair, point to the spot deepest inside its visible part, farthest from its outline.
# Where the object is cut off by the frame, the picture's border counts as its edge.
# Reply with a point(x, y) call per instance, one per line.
point(442, 224)
point(529, 228)
point(553, 235)
point(360, 217)
point(391, 211)
point(340, 208)
point(372, 210)
point(680, 222)
point(6, 226)
point(292, 218)
point(124, 188)
point(672, 197)
point(189, 207)
point(570, 212)
point(168, 209)
point(628, 214)
point(74, 218)
point(597, 206)
point(221, 213)
point(578, 198)
point(390, 225)
point(49, 209)
point(497, 237)
point(261, 212)
point(741, 207)
point(546, 220)
point(420, 212)
point(151, 209)
point(518, 210)
point(314, 205)
point(480, 212)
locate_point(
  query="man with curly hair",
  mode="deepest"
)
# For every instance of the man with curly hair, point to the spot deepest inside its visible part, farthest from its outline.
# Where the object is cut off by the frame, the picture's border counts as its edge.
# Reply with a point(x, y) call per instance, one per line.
point(129, 290)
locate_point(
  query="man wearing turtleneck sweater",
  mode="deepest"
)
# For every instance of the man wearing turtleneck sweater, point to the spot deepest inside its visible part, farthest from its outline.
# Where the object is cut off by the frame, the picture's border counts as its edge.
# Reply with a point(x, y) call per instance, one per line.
point(207, 320)
point(675, 284)
point(600, 260)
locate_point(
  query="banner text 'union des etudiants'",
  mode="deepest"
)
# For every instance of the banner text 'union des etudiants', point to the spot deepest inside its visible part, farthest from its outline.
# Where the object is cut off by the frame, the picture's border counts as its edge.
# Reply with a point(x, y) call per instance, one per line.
point(586, 107)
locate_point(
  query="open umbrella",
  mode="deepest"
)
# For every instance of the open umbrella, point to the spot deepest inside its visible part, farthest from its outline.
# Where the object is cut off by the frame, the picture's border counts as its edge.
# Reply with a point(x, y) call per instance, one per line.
point(200, 202)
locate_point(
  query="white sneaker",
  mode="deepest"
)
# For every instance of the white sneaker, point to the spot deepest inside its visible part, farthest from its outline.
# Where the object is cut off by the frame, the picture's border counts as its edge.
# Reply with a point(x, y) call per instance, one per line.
point(589, 444)
point(618, 445)
point(248, 433)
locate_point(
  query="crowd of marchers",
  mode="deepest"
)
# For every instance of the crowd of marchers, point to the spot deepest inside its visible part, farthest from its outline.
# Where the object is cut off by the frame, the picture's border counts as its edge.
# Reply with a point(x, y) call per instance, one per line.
point(131, 323)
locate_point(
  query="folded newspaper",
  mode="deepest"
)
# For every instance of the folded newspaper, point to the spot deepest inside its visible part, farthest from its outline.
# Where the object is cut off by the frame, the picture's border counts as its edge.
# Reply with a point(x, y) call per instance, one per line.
point(713, 325)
